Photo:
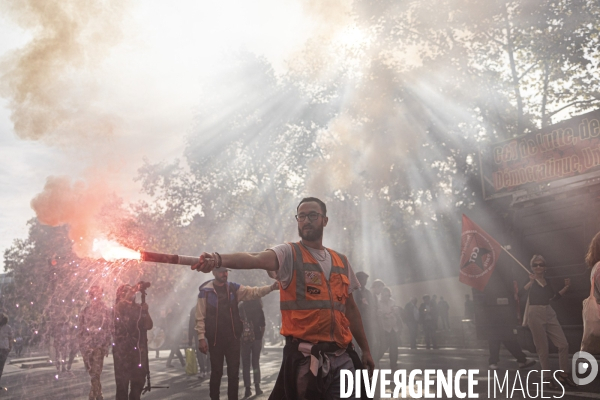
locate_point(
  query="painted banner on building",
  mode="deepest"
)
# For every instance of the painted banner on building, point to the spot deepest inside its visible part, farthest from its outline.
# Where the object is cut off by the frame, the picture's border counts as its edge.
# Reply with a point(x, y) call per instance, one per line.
point(566, 149)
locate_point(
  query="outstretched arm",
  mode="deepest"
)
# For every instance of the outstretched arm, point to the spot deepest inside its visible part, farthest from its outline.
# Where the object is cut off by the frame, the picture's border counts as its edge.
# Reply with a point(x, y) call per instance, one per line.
point(356, 327)
point(253, 293)
point(266, 260)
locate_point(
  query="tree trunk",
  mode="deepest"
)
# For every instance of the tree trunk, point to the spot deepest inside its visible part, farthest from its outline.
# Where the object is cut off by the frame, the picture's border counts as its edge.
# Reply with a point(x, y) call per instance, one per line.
point(545, 118)
point(514, 73)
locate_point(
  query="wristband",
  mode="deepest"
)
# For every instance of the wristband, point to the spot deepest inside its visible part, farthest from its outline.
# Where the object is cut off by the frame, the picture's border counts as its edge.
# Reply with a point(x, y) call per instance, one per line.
point(219, 261)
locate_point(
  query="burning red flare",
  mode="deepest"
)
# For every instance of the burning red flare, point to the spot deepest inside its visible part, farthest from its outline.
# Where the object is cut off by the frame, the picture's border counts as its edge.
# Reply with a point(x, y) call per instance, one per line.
point(112, 251)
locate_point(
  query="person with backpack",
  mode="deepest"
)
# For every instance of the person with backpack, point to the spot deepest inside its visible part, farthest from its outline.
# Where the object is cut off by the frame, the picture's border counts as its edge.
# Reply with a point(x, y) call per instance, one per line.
point(253, 320)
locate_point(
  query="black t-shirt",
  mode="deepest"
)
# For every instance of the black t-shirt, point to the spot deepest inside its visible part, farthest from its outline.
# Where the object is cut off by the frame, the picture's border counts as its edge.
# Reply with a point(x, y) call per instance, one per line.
point(541, 296)
point(224, 322)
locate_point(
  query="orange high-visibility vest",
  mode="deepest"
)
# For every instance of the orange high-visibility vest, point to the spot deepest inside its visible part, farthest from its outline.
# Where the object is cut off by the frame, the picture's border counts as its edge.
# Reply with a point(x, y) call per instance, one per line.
point(313, 308)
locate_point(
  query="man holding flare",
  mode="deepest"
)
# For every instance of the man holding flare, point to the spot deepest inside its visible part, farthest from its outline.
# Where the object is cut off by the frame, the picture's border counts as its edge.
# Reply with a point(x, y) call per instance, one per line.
point(318, 312)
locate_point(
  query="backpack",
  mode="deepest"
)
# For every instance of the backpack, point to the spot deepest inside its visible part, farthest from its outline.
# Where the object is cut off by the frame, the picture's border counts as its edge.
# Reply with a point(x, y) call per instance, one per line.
point(247, 329)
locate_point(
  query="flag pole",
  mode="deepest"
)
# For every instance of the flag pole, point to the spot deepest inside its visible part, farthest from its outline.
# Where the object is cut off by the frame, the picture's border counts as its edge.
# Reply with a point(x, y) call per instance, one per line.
point(517, 261)
point(522, 266)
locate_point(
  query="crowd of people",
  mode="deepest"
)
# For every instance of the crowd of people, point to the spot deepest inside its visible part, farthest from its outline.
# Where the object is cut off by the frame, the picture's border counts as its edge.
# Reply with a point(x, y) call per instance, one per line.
point(331, 320)
point(386, 322)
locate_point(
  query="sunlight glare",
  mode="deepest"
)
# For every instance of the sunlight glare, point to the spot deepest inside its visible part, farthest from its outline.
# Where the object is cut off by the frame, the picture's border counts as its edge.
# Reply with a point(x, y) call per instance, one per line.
point(112, 251)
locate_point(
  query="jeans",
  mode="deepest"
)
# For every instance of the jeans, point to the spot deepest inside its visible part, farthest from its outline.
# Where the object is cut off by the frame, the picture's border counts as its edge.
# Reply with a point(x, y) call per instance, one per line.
point(429, 333)
point(251, 351)
point(389, 341)
point(229, 350)
point(175, 351)
point(203, 359)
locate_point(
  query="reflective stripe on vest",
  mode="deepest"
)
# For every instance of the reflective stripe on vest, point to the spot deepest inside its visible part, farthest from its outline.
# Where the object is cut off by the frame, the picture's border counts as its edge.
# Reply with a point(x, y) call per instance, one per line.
point(313, 306)
point(299, 266)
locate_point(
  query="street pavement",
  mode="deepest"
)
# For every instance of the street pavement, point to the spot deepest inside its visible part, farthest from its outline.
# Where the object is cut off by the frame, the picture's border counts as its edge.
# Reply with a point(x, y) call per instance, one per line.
point(43, 383)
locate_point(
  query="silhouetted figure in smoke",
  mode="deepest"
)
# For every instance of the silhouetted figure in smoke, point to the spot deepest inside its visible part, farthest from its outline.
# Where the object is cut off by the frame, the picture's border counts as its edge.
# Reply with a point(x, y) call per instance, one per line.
point(72, 345)
point(469, 308)
point(426, 315)
point(387, 314)
point(130, 350)
point(203, 360)
point(62, 343)
point(444, 312)
point(160, 322)
point(367, 305)
point(411, 319)
point(6, 341)
point(219, 327)
point(253, 317)
point(434, 311)
point(95, 327)
point(376, 288)
point(173, 337)
point(18, 346)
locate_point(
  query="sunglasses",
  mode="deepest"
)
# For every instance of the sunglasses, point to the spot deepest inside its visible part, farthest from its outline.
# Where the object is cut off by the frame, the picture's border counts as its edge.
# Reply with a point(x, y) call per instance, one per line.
point(539, 264)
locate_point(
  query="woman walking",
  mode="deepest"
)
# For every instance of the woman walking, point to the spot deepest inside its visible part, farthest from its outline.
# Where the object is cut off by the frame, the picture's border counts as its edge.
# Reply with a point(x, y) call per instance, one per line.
point(542, 321)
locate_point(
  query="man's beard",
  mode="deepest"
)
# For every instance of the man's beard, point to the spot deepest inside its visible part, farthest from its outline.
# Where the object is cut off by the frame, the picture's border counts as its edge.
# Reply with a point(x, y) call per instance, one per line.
point(316, 234)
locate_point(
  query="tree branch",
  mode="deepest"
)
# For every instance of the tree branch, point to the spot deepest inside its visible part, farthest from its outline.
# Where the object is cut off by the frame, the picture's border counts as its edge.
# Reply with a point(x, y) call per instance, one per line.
point(527, 70)
point(571, 105)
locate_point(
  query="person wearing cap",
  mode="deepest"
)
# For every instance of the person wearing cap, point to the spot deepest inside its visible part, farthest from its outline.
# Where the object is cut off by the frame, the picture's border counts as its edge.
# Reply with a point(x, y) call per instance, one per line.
point(219, 327)
point(319, 316)
point(95, 326)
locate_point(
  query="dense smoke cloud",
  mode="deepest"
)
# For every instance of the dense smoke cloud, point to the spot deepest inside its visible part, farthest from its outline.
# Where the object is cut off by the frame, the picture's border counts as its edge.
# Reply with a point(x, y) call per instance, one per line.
point(47, 82)
point(53, 96)
point(371, 136)
point(77, 204)
point(375, 125)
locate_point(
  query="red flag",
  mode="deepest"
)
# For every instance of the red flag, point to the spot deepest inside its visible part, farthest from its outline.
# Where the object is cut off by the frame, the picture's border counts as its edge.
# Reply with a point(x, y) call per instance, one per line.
point(479, 253)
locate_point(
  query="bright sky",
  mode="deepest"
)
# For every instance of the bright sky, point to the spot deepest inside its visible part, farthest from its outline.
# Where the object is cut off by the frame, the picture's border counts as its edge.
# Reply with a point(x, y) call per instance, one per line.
point(151, 82)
